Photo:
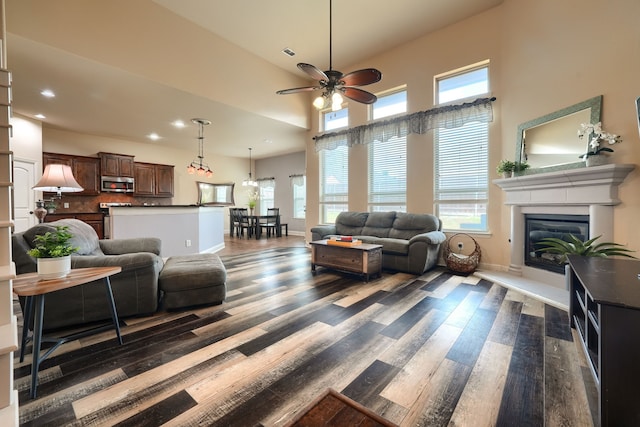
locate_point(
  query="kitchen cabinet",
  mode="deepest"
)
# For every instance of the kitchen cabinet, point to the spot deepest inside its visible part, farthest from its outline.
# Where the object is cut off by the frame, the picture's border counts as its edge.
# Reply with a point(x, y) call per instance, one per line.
point(116, 165)
point(153, 180)
point(86, 170)
point(95, 220)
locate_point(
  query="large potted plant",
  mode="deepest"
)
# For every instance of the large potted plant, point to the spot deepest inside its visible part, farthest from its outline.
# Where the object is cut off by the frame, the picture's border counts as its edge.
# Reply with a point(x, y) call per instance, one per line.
point(575, 246)
point(53, 252)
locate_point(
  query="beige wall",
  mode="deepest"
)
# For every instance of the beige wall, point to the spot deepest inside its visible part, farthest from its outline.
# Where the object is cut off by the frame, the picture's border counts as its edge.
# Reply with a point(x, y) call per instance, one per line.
point(545, 55)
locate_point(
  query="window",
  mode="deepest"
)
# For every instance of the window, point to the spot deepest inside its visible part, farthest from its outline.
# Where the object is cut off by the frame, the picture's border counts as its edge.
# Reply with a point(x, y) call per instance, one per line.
point(266, 188)
point(299, 184)
point(334, 171)
point(462, 157)
point(388, 159)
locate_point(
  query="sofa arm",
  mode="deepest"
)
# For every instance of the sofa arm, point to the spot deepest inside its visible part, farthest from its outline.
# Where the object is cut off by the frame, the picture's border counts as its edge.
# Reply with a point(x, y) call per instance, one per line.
point(130, 246)
point(431, 238)
point(126, 261)
point(319, 231)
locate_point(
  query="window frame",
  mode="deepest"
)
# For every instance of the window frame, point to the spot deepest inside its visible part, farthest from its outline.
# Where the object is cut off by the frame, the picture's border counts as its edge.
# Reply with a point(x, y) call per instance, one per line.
point(474, 199)
point(399, 202)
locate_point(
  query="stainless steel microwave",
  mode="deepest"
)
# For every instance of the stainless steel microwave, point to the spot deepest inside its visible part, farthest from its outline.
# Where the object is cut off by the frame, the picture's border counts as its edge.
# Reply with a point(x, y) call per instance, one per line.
point(114, 184)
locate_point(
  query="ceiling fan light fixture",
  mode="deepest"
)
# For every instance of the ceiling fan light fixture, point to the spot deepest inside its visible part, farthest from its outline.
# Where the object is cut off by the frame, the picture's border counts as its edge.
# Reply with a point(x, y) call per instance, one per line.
point(320, 102)
point(336, 101)
point(333, 81)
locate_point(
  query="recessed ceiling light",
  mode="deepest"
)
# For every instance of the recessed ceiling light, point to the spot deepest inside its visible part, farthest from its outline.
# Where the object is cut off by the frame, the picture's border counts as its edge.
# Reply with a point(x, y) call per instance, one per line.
point(178, 124)
point(153, 136)
point(48, 93)
point(40, 116)
point(267, 141)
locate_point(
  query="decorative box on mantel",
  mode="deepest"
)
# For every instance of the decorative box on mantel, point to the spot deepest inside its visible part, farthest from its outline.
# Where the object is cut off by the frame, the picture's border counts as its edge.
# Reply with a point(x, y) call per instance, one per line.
point(584, 191)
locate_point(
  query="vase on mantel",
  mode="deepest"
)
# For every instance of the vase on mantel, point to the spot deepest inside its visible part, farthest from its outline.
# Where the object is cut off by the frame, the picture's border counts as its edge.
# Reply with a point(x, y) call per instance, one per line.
point(597, 160)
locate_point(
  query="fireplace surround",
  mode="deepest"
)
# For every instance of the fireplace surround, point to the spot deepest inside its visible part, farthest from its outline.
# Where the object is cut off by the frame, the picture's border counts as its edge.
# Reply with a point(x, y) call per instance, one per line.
point(590, 192)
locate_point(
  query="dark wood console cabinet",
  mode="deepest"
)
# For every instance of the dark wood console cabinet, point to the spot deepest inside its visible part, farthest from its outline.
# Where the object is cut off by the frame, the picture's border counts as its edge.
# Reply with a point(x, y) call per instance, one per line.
point(86, 170)
point(604, 307)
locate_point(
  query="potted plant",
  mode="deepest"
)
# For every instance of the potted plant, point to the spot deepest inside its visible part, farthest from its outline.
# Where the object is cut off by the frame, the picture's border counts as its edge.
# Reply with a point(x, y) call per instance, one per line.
point(253, 200)
point(506, 168)
point(594, 155)
point(50, 206)
point(575, 246)
point(53, 252)
point(519, 167)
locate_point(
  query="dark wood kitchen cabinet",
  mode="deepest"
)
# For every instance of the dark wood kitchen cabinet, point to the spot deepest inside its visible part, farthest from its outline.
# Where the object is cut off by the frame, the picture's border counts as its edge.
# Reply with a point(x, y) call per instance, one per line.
point(153, 180)
point(116, 165)
point(86, 170)
point(95, 220)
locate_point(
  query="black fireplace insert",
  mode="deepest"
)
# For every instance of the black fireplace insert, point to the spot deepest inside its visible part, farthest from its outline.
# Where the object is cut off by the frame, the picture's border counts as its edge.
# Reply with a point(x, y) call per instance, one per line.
point(541, 226)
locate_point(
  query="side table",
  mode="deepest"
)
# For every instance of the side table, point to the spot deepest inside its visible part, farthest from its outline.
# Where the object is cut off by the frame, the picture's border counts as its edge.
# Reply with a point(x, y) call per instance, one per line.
point(34, 290)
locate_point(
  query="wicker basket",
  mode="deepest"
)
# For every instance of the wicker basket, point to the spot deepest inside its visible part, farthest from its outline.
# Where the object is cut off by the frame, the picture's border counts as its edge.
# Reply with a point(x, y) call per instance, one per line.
point(460, 263)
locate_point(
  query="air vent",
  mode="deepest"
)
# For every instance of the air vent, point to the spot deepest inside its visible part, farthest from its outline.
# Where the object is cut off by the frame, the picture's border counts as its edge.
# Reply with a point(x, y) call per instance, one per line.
point(288, 51)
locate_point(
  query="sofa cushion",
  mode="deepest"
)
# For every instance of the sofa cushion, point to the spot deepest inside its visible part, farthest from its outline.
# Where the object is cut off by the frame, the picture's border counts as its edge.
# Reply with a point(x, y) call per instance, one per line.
point(389, 245)
point(84, 237)
point(407, 225)
point(378, 224)
point(350, 223)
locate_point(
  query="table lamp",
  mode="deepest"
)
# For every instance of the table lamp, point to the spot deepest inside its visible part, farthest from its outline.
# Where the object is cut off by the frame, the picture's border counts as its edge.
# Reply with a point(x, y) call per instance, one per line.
point(58, 179)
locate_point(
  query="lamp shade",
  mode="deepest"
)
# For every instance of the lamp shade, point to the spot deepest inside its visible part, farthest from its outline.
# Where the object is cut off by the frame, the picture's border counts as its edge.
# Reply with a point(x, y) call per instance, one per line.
point(59, 179)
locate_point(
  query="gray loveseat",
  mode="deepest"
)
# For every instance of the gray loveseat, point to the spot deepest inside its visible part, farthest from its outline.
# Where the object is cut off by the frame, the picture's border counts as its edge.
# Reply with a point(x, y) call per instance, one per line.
point(135, 289)
point(410, 242)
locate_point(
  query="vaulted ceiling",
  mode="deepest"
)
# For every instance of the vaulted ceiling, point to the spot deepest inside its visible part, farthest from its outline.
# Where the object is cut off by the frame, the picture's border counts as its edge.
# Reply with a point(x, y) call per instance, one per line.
point(124, 69)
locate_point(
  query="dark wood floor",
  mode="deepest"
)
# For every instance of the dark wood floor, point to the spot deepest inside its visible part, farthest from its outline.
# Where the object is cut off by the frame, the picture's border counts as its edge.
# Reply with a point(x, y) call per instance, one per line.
point(433, 350)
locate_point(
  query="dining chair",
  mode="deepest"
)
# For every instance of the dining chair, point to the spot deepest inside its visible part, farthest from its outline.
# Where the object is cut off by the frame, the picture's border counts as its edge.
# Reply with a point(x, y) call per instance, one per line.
point(244, 222)
point(270, 221)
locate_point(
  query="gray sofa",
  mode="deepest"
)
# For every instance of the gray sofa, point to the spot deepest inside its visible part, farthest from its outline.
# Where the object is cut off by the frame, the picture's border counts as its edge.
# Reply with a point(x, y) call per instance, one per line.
point(135, 289)
point(410, 242)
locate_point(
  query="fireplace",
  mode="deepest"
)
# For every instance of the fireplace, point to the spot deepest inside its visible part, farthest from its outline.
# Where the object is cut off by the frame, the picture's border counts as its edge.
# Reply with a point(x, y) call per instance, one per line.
point(591, 192)
point(541, 226)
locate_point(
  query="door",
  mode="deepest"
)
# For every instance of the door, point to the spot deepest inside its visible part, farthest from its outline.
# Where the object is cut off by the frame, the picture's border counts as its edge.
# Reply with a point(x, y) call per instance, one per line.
point(24, 177)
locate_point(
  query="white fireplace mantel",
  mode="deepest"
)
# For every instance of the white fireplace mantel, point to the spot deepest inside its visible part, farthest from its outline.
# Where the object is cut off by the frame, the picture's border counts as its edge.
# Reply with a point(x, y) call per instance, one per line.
point(589, 191)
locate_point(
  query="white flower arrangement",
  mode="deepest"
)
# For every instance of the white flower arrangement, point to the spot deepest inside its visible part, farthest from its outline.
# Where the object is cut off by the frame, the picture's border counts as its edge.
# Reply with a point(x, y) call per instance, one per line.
point(597, 136)
point(254, 196)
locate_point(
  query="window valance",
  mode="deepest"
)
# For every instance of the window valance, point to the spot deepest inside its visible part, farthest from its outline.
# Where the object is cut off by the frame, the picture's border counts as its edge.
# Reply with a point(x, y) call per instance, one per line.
point(448, 117)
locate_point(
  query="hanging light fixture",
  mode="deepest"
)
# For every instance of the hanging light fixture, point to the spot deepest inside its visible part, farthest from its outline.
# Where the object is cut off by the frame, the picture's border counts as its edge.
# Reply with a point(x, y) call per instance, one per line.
point(249, 182)
point(198, 166)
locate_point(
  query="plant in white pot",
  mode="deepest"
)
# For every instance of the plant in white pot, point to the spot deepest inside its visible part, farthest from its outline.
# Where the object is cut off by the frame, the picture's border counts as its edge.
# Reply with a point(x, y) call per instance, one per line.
point(53, 252)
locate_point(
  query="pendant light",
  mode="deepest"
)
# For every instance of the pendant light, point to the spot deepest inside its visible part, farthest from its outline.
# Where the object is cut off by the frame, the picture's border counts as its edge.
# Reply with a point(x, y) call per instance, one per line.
point(249, 182)
point(198, 166)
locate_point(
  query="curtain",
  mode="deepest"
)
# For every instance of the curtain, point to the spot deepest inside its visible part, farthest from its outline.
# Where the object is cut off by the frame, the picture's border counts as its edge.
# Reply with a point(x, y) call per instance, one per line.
point(448, 117)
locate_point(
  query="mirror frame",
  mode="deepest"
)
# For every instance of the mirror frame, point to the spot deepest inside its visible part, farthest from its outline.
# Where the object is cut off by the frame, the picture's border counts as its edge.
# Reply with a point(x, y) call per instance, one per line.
point(229, 186)
point(594, 103)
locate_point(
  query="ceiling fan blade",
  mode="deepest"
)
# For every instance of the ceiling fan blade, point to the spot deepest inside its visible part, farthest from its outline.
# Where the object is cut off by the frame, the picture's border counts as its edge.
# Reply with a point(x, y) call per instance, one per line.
point(313, 71)
point(297, 90)
point(363, 77)
point(359, 95)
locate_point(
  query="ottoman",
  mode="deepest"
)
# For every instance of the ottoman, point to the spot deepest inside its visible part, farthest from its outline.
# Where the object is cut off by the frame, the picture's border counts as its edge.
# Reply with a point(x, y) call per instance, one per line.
point(188, 280)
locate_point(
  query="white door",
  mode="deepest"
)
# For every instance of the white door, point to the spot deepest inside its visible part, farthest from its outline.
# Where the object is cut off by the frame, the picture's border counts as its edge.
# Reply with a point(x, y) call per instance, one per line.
point(23, 196)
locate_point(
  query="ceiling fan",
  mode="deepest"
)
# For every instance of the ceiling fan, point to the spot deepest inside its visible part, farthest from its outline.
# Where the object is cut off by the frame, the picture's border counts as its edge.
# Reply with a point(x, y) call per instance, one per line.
point(334, 83)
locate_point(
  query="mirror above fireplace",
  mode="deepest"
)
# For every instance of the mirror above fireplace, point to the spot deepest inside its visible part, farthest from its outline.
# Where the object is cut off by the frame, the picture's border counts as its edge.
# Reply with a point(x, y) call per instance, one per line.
point(551, 142)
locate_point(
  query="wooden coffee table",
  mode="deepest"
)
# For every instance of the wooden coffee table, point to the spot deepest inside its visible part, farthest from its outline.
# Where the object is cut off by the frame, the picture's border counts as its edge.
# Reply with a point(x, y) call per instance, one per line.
point(365, 258)
point(32, 287)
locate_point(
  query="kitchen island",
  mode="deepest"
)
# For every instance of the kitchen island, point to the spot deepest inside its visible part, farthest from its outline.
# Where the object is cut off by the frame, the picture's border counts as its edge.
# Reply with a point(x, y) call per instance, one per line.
point(183, 229)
